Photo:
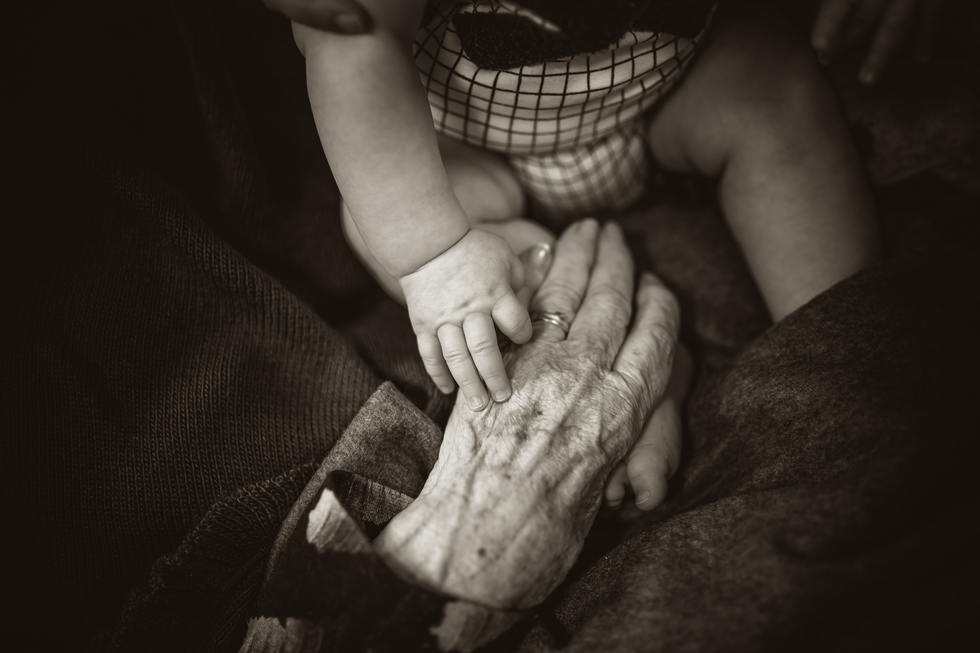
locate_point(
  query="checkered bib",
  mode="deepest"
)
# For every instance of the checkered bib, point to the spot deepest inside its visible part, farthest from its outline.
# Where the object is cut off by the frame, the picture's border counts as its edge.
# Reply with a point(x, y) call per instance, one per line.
point(572, 128)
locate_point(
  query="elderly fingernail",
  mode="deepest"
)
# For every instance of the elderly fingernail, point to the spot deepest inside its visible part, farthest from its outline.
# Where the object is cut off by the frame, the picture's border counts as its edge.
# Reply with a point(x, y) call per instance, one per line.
point(477, 403)
point(540, 252)
point(643, 499)
point(588, 223)
point(348, 24)
point(538, 257)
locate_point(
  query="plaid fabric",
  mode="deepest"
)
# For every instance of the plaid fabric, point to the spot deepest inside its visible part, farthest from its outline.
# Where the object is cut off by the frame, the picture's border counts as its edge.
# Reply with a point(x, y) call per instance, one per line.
point(572, 127)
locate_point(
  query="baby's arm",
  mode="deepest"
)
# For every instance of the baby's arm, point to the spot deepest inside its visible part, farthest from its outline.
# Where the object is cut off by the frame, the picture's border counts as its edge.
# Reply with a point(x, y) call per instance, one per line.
point(376, 130)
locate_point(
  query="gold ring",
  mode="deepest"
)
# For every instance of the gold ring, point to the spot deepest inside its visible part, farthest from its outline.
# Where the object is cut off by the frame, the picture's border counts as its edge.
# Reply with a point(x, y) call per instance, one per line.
point(554, 318)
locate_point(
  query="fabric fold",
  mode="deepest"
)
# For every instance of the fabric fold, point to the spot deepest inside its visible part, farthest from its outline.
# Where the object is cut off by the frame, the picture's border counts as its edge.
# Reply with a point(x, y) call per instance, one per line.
point(325, 587)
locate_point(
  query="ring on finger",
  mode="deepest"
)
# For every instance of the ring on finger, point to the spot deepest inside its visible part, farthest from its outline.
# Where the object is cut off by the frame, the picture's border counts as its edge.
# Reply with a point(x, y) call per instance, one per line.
point(554, 318)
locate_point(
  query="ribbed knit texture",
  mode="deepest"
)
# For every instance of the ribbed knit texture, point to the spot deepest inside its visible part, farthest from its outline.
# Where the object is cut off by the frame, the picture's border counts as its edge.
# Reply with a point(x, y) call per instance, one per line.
point(187, 319)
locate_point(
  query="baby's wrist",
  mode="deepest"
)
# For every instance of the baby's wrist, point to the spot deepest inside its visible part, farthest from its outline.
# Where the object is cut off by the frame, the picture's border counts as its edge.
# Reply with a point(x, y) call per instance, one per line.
point(430, 254)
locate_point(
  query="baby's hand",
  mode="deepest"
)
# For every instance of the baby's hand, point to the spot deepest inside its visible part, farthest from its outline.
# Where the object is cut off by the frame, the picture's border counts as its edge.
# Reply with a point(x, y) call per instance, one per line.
point(454, 301)
point(845, 22)
point(655, 456)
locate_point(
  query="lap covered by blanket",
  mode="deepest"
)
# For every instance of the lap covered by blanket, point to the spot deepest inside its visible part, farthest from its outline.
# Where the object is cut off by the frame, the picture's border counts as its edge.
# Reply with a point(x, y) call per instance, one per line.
point(190, 341)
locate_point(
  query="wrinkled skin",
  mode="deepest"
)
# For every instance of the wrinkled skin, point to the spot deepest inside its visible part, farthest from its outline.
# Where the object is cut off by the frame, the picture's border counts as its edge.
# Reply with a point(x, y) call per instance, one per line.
point(515, 490)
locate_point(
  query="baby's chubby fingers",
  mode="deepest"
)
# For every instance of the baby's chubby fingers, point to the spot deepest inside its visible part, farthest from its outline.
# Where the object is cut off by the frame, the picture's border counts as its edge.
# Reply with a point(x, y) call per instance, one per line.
point(435, 365)
point(457, 356)
point(657, 453)
point(616, 486)
point(654, 457)
point(481, 339)
point(512, 318)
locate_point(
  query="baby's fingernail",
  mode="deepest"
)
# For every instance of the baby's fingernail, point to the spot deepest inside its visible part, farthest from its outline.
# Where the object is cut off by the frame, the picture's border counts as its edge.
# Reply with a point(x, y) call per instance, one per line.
point(823, 57)
point(867, 76)
point(477, 402)
point(348, 23)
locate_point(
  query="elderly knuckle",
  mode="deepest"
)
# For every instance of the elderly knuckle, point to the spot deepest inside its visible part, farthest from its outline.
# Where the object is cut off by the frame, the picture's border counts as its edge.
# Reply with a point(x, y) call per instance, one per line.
point(665, 303)
point(662, 340)
point(619, 312)
point(561, 294)
point(614, 298)
point(595, 359)
point(613, 290)
point(633, 385)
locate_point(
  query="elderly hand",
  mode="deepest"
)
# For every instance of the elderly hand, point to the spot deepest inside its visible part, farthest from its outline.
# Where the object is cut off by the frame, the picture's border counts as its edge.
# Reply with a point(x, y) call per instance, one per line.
point(517, 486)
point(343, 16)
point(841, 23)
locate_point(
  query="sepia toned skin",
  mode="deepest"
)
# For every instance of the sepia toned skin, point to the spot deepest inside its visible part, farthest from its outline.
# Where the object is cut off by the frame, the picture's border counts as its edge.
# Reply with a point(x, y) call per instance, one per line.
point(462, 339)
point(376, 130)
point(513, 494)
point(803, 222)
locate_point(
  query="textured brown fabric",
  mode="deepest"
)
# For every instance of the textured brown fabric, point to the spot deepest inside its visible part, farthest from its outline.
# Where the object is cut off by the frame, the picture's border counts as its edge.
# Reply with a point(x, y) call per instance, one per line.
point(185, 321)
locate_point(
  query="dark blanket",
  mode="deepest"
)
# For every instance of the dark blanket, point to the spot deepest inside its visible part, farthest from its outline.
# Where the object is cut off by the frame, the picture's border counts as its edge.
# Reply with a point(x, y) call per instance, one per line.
point(188, 336)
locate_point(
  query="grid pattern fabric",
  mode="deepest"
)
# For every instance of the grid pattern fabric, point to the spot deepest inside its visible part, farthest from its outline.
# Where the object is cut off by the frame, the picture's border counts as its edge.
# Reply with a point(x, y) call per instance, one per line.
point(572, 128)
